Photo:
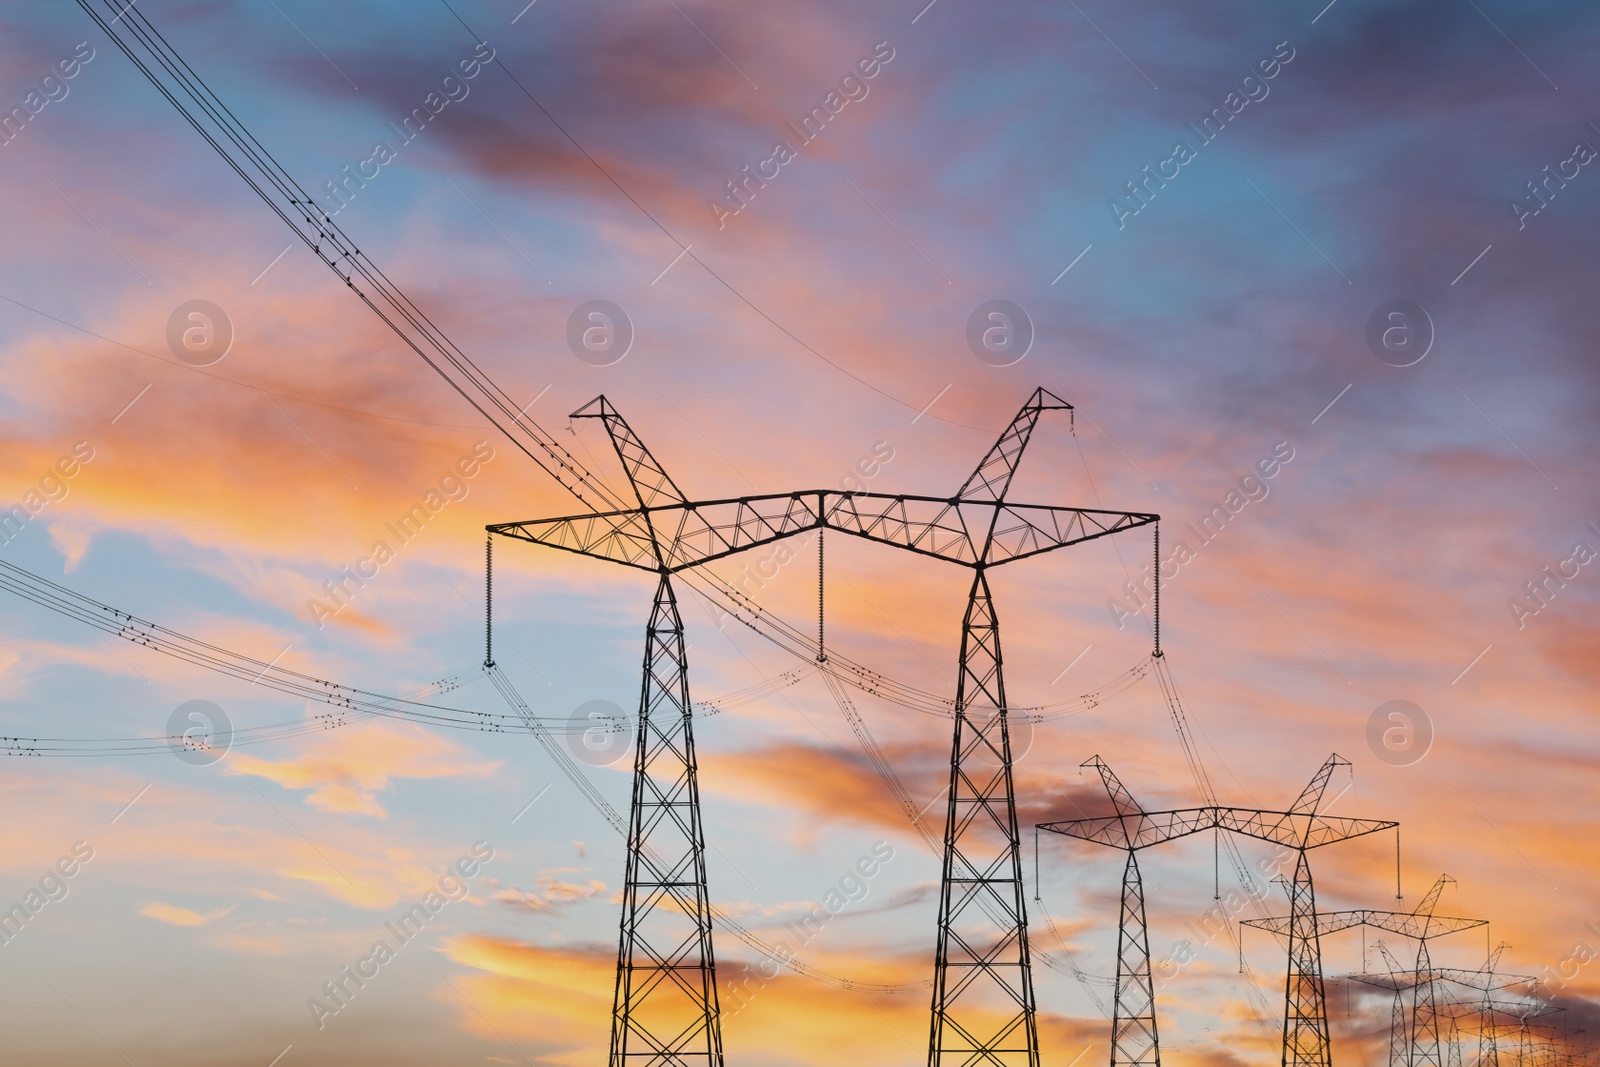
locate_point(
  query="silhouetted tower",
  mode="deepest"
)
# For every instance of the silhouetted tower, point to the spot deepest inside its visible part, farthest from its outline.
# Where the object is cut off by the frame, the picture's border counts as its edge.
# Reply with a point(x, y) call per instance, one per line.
point(1505, 1027)
point(1135, 1041)
point(983, 1006)
point(1489, 1011)
point(1305, 1025)
point(665, 1007)
point(983, 1002)
point(1423, 1039)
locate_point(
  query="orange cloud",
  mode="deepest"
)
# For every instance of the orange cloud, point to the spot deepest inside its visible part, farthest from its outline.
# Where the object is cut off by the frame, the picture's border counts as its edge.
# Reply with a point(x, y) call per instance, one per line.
point(790, 775)
point(550, 894)
point(564, 995)
point(171, 913)
point(347, 772)
point(561, 995)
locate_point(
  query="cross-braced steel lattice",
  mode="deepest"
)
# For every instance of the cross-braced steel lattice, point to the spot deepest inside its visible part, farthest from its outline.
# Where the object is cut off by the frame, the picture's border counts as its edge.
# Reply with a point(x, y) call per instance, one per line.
point(983, 1002)
point(1133, 1014)
point(983, 1006)
point(664, 1010)
point(1446, 1011)
point(1420, 1039)
point(1305, 1025)
point(983, 1009)
point(1135, 1041)
point(1305, 1028)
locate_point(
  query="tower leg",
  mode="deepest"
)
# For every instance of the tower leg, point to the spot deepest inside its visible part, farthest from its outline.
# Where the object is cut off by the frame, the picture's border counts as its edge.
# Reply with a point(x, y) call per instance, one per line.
point(1488, 1042)
point(1305, 1016)
point(1425, 1014)
point(1398, 1031)
point(1133, 1014)
point(983, 1007)
point(665, 1011)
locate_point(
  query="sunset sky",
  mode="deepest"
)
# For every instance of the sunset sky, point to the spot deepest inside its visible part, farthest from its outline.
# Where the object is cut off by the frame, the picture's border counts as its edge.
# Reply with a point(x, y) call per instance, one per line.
point(1208, 298)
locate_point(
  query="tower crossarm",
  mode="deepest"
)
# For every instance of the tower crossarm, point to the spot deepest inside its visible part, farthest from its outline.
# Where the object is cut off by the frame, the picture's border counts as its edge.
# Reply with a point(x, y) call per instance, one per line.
point(1392, 982)
point(1514, 1011)
point(971, 532)
point(694, 532)
point(1143, 829)
point(1297, 830)
point(1137, 830)
point(1406, 924)
point(1482, 980)
point(690, 533)
point(1420, 926)
point(1406, 979)
point(1280, 924)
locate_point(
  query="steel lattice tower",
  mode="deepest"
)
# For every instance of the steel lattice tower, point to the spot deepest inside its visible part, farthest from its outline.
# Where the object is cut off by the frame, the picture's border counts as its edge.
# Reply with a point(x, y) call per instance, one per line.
point(1133, 1013)
point(1421, 1036)
point(1485, 979)
point(1305, 999)
point(1135, 1040)
point(665, 1007)
point(983, 1002)
point(983, 1007)
point(981, 968)
point(672, 799)
point(1302, 828)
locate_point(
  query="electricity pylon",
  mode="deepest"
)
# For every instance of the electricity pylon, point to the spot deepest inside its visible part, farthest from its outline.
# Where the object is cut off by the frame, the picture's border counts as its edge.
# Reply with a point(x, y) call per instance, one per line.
point(1420, 924)
point(1302, 828)
point(1135, 1041)
point(983, 1004)
point(1497, 1019)
point(1486, 979)
point(665, 1009)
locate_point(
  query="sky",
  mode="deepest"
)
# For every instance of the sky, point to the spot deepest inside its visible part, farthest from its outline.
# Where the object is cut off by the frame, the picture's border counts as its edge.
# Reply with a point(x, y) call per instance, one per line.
point(1371, 274)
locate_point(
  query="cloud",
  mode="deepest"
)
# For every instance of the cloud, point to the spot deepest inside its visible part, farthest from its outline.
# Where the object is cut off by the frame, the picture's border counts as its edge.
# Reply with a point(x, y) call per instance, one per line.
point(563, 995)
point(550, 894)
point(347, 770)
point(831, 783)
point(171, 913)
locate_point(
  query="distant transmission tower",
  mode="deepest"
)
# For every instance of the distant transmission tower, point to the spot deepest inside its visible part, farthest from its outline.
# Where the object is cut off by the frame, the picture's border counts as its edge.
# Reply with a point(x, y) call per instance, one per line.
point(1486, 980)
point(1302, 828)
point(1134, 1037)
point(1423, 1041)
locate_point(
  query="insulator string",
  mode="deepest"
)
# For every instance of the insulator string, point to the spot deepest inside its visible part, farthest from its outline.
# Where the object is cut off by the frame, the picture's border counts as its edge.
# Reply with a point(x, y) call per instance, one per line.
point(1397, 863)
point(822, 653)
point(1036, 895)
point(488, 600)
point(1155, 581)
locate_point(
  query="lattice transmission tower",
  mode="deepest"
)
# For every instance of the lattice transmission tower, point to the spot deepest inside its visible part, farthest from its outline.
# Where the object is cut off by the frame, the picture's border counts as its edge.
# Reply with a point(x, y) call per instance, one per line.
point(1301, 828)
point(983, 1005)
point(1424, 1044)
point(1486, 1010)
